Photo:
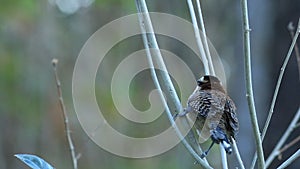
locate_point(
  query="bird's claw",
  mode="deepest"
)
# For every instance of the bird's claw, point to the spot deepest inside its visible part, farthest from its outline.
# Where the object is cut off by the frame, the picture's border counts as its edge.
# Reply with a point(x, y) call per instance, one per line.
point(179, 114)
point(203, 155)
point(175, 116)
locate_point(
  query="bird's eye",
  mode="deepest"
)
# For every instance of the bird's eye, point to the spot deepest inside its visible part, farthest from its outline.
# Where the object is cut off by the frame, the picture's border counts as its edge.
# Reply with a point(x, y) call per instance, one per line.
point(201, 81)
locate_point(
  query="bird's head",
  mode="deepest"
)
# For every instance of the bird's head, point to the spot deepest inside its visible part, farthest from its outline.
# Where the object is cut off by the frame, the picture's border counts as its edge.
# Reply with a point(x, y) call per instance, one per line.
point(209, 82)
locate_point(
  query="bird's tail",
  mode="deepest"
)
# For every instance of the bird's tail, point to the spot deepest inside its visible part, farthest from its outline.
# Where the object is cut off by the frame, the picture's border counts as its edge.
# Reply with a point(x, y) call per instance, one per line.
point(219, 136)
point(226, 146)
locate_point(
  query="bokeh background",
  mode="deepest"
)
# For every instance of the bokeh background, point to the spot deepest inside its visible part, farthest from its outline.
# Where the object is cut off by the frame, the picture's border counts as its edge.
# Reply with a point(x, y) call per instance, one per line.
point(34, 32)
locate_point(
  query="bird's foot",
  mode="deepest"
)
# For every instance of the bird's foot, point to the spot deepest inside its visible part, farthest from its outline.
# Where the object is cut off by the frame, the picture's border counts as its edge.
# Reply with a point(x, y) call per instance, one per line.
point(227, 147)
point(219, 136)
point(204, 154)
point(180, 114)
point(175, 116)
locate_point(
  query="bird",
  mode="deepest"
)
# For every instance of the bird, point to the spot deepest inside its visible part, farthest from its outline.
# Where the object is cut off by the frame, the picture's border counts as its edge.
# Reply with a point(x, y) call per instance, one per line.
point(213, 113)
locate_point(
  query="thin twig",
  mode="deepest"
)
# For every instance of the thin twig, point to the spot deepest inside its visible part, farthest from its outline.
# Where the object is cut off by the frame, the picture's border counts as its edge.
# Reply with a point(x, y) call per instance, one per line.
point(65, 116)
point(297, 125)
point(250, 97)
point(282, 70)
point(223, 157)
point(237, 154)
point(206, 50)
point(209, 58)
point(195, 144)
point(198, 38)
point(291, 29)
point(287, 146)
point(283, 139)
point(150, 42)
point(290, 160)
point(146, 26)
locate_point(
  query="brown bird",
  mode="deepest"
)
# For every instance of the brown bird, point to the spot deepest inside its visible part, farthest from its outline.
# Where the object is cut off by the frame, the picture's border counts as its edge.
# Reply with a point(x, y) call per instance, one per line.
point(214, 113)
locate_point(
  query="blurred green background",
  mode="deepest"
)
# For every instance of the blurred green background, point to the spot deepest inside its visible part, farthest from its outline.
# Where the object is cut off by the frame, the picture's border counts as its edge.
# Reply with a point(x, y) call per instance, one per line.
point(33, 32)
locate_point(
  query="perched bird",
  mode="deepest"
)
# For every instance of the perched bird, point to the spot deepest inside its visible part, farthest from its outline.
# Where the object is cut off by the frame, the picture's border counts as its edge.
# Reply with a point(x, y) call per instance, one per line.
point(214, 113)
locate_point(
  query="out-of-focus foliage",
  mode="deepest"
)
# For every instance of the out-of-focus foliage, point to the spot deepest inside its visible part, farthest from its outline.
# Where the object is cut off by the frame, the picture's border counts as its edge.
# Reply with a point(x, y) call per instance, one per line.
point(14, 7)
point(124, 4)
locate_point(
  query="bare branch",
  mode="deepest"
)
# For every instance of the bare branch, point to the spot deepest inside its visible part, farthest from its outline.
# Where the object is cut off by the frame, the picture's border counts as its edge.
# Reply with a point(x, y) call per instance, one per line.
point(146, 27)
point(279, 81)
point(277, 87)
point(249, 95)
point(293, 142)
point(198, 38)
point(291, 28)
point(65, 116)
point(223, 157)
point(283, 139)
point(297, 125)
point(237, 154)
point(209, 58)
point(290, 160)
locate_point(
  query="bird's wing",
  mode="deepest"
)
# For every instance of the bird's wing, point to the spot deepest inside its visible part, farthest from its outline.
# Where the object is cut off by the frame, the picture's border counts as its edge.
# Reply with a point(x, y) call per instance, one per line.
point(231, 117)
point(208, 106)
point(207, 102)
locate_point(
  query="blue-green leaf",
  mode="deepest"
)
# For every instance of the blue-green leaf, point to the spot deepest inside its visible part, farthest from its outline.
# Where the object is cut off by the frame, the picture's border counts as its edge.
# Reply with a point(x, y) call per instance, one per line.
point(34, 161)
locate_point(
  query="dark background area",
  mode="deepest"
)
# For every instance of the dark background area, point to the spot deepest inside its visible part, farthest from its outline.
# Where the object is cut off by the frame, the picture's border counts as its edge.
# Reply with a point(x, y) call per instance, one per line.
point(34, 32)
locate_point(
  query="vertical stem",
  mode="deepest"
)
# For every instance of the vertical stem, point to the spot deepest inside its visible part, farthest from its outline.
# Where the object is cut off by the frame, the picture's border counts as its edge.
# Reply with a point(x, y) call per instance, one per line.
point(150, 42)
point(223, 157)
point(65, 116)
point(147, 26)
point(208, 56)
point(249, 88)
point(198, 38)
point(237, 154)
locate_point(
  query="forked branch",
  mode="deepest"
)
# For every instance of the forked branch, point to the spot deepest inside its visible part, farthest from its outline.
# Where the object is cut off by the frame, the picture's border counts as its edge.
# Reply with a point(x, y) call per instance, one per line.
point(146, 27)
